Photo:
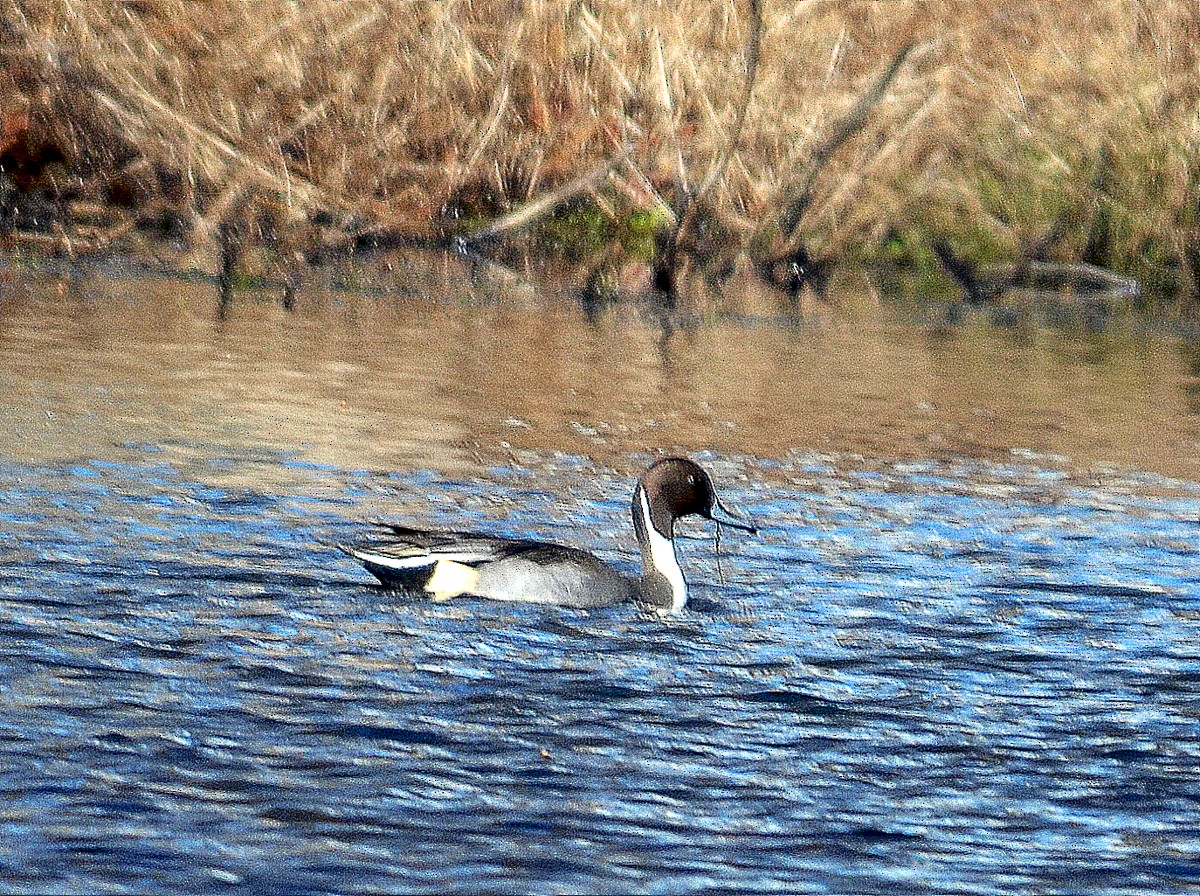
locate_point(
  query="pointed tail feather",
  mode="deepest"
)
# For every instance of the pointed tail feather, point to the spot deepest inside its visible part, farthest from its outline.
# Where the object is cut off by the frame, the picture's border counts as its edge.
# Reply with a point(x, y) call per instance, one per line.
point(405, 573)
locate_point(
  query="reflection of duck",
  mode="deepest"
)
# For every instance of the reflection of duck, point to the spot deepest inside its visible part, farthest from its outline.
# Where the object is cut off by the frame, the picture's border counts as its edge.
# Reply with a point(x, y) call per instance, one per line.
point(450, 564)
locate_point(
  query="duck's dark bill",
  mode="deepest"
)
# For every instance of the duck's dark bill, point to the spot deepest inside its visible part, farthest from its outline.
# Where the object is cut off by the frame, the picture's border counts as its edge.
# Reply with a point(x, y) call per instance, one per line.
point(723, 517)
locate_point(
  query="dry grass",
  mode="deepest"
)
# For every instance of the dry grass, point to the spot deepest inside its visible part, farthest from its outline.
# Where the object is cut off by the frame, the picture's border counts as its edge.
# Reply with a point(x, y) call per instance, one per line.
point(333, 117)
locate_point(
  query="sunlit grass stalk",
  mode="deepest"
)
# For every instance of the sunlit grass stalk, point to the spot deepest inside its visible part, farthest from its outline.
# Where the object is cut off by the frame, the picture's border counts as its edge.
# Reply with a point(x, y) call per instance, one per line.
point(428, 118)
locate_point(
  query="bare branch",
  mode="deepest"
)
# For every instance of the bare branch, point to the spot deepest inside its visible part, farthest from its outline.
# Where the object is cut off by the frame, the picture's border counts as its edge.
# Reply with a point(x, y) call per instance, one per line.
point(753, 49)
point(855, 120)
point(547, 203)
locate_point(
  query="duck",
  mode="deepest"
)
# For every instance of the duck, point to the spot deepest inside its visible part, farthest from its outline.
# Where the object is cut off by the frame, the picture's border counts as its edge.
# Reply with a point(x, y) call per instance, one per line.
point(446, 564)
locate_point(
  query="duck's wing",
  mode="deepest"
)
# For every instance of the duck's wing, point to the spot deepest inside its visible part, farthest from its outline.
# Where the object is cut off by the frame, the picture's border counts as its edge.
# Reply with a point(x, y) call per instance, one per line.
point(410, 558)
point(470, 548)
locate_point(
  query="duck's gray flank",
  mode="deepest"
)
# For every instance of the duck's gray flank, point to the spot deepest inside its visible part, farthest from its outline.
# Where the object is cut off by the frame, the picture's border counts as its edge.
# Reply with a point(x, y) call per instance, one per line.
point(449, 564)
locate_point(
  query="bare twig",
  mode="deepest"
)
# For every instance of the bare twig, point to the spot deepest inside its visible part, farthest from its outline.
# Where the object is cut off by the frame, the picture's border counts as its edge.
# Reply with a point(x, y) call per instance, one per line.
point(854, 121)
point(674, 244)
point(978, 290)
point(668, 104)
point(547, 203)
point(753, 49)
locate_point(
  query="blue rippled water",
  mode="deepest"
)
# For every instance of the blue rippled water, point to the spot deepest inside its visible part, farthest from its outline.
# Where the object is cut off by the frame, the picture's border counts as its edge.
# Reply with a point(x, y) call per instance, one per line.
point(942, 677)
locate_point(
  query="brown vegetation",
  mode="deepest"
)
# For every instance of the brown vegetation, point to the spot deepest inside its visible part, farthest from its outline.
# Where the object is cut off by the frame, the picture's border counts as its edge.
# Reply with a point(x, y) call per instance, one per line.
point(800, 134)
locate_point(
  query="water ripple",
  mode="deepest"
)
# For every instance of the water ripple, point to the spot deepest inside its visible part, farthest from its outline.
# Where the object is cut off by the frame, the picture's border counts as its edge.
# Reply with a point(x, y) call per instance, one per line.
point(942, 678)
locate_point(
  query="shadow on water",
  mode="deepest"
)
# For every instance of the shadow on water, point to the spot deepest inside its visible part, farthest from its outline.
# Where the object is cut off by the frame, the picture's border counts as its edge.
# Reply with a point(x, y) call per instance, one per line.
point(961, 656)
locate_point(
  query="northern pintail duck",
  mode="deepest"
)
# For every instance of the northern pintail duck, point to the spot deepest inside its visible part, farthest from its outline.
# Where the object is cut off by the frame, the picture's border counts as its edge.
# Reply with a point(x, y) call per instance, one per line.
point(450, 564)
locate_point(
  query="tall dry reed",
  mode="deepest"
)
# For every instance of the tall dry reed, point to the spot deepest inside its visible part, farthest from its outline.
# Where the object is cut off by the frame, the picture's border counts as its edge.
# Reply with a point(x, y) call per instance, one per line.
point(421, 117)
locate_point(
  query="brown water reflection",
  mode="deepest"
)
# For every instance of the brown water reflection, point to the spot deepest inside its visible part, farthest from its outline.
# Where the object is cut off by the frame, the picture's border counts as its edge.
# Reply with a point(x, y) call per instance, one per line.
point(384, 382)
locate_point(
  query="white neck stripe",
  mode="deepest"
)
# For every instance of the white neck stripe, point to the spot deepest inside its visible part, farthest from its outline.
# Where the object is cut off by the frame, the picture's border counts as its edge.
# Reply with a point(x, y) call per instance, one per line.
point(662, 555)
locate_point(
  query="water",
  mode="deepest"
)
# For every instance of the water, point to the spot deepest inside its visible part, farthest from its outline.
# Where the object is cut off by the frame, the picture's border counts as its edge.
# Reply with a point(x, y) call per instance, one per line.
point(963, 656)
